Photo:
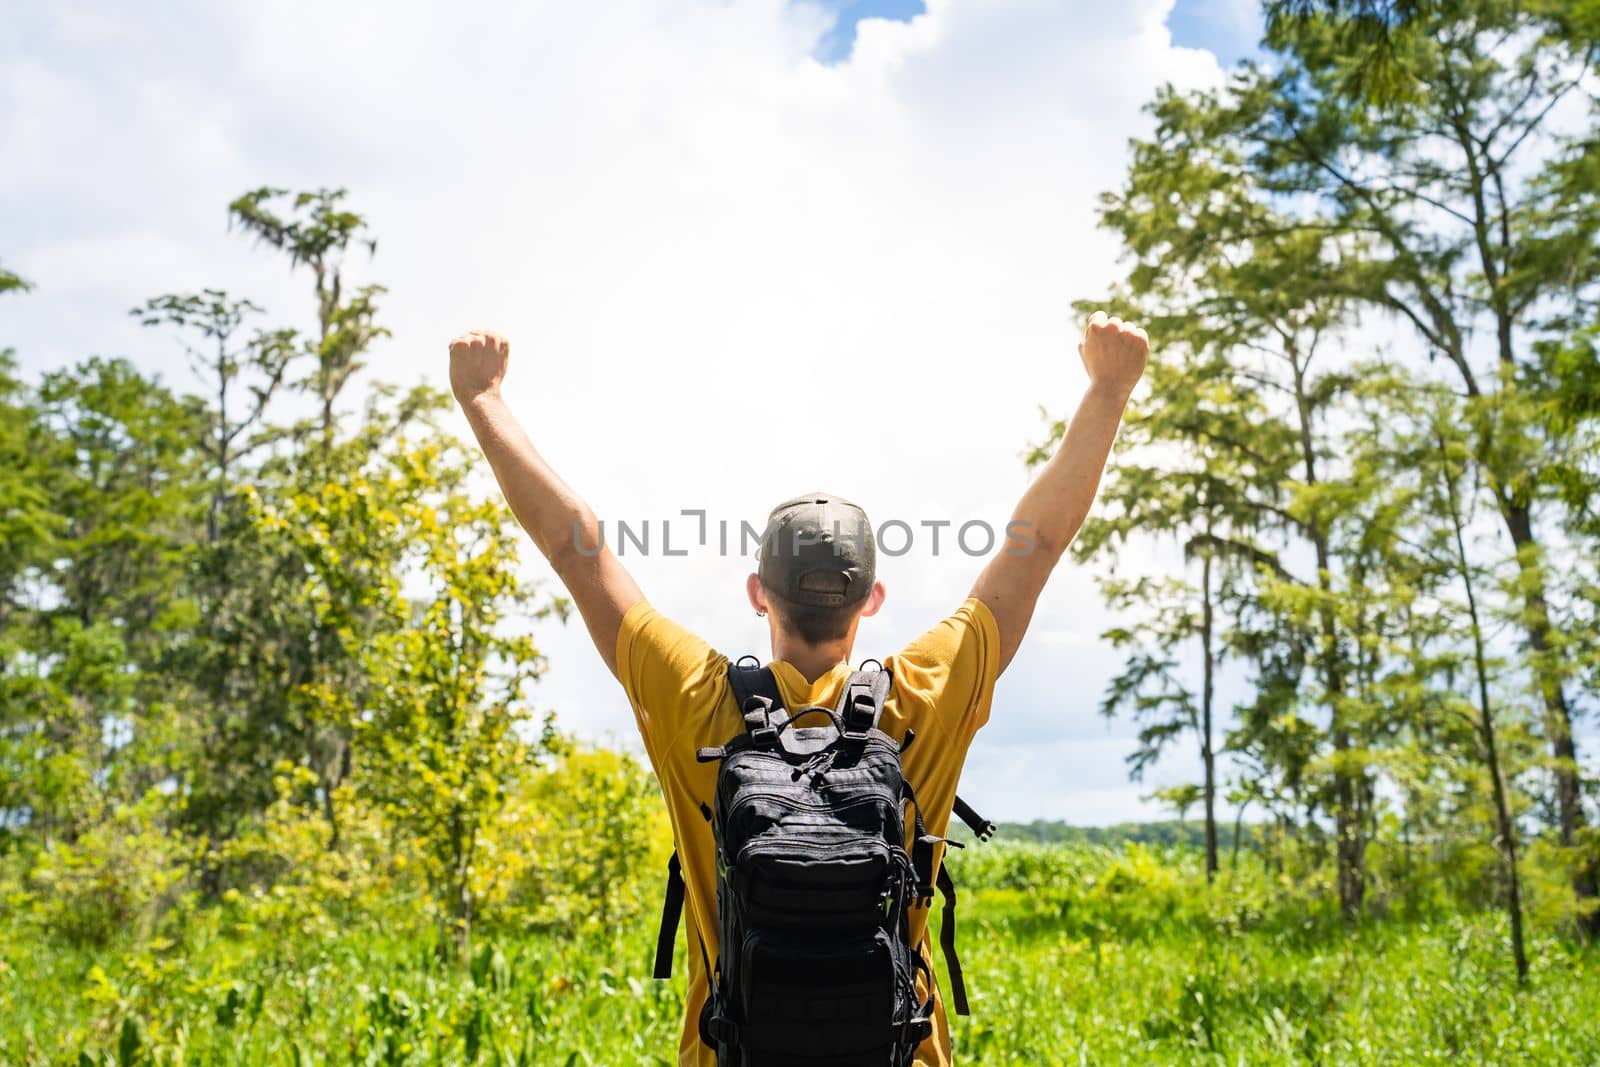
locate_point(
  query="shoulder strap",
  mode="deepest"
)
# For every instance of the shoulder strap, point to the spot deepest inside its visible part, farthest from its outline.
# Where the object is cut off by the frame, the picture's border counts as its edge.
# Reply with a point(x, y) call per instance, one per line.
point(861, 703)
point(755, 690)
point(753, 681)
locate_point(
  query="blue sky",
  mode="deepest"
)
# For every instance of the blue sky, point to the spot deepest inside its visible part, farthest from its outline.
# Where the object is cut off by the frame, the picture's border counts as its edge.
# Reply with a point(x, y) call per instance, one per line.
point(1229, 29)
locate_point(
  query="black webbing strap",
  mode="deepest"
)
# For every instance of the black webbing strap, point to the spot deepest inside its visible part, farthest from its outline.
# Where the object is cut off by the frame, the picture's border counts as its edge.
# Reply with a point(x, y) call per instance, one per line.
point(922, 846)
point(708, 1010)
point(947, 941)
point(755, 690)
point(750, 682)
point(671, 912)
point(861, 703)
point(977, 823)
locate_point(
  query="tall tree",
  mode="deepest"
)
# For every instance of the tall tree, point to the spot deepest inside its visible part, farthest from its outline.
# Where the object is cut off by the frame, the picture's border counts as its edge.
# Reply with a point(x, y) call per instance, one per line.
point(1414, 447)
point(297, 604)
point(1488, 733)
point(319, 233)
point(126, 475)
point(1217, 267)
point(1190, 459)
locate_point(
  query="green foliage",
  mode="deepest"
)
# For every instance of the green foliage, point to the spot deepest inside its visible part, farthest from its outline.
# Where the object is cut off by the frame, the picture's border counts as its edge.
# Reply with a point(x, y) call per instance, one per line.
point(124, 873)
point(244, 669)
point(255, 366)
point(440, 732)
point(594, 839)
point(1114, 956)
point(13, 282)
point(1187, 833)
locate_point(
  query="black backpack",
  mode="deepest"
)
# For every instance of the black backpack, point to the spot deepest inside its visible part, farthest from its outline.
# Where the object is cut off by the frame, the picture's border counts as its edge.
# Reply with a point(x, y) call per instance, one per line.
point(814, 883)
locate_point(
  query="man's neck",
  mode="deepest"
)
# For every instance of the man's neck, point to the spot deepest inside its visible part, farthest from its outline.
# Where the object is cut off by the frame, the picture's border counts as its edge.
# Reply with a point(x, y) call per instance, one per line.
point(812, 661)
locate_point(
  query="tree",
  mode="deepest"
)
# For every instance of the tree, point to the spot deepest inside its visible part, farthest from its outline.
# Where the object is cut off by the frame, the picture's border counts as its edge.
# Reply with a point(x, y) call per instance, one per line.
point(1219, 270)
point(317, 233)
point(297, 605)
point(1458, 205)
point(1505, 823)
point(125, 477)
point(1182, 471)
point(86, 711)
point(256, 365)
point(440, 733)
point(1415, 448)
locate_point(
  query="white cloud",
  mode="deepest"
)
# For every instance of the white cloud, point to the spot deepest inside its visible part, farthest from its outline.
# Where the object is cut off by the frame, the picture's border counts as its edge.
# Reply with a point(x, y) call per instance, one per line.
point(729, 272)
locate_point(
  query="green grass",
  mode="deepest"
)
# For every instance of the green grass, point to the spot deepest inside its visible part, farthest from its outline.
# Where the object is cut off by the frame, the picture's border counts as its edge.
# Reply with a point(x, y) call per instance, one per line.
point(1072, 956)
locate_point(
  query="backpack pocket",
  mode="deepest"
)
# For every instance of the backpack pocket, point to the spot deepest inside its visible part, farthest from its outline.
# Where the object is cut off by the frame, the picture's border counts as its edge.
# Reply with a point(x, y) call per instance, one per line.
point(829, 881)
point(806, 1000)
point(755, 813)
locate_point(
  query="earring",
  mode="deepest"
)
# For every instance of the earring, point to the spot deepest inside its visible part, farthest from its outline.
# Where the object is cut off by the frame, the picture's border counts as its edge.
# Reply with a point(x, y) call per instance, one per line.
point(761, 614)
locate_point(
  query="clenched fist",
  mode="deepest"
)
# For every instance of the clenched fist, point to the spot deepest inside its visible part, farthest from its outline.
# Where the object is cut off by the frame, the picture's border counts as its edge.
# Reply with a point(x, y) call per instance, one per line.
point(1113, 352)
point(478, 364)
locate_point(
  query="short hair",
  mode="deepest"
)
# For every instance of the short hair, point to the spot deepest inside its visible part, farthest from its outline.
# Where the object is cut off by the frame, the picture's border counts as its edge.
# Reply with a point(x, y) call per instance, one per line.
point(815, 623)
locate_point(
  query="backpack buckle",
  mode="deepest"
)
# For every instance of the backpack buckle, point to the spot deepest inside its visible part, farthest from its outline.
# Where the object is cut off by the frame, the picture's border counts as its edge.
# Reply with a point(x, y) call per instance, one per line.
point(758, 720)
point(859, 713)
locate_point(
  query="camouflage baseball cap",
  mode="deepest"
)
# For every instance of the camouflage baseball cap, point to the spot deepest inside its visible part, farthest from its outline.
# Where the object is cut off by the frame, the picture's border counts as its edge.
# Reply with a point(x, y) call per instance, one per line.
point(815, 535)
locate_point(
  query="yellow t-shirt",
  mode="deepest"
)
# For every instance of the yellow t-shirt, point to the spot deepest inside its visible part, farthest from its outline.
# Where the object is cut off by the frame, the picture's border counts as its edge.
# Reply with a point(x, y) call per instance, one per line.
point(678, 686)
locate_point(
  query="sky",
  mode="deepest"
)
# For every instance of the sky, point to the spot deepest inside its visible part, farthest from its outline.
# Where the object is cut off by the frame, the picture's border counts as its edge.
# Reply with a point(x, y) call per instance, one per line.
point(742, 249)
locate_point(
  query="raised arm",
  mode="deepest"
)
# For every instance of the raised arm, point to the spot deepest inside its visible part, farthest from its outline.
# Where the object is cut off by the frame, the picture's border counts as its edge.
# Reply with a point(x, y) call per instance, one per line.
point(557, 519)
point(1049, 514)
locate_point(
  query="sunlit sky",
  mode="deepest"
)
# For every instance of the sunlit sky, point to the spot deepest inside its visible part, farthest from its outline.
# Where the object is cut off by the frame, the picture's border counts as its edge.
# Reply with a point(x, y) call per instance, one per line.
point(742, 248)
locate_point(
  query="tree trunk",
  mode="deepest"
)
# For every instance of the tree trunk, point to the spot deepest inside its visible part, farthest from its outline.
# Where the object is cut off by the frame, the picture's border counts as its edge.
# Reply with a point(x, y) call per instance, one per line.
point(1505, 826)
point(1347, 824)
point(1557, 713)
point(1207, 752)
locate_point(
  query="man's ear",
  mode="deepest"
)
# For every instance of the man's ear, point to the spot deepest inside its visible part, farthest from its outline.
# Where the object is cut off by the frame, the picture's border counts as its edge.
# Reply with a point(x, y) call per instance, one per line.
point(874, 600)
point(757, 595)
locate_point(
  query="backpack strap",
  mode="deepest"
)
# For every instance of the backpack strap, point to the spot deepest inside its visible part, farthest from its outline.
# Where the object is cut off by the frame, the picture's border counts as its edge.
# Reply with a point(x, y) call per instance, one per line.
point(861, 703)
point(926, 877)
point(947, 941)
point(755, 691)
point(975, 822)
point(755, 681)
point(671, 912)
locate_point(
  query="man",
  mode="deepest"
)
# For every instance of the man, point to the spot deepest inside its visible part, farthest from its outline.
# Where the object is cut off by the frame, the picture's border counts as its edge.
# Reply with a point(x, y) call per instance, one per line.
point(813, 603)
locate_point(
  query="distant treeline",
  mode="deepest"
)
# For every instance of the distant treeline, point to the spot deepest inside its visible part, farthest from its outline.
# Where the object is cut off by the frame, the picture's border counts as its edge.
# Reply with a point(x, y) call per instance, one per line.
point(1189, 833)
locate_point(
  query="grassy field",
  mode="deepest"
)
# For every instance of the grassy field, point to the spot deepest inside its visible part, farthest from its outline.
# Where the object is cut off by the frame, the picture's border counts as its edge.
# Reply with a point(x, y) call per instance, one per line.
point(1074, 955)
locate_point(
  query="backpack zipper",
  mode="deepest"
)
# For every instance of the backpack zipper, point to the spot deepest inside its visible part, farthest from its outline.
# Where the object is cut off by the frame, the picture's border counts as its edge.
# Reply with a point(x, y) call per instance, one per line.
point(816, 766)
point(748, 798)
